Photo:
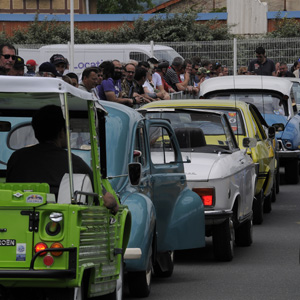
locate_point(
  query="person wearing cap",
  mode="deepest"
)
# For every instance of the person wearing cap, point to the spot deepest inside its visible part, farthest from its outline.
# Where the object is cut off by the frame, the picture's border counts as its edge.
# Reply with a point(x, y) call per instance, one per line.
point(60, 63)
point(48, 69)
point(18, 67)
point(202, 75)
point(31, 67)
point(7, 56)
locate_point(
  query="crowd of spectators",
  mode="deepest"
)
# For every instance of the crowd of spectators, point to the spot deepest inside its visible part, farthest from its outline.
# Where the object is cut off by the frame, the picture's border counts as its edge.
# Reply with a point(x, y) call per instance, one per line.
point(133, 83)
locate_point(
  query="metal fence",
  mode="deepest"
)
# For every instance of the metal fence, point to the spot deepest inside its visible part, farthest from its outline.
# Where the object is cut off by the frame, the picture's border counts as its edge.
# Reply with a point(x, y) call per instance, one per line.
point(279, 50)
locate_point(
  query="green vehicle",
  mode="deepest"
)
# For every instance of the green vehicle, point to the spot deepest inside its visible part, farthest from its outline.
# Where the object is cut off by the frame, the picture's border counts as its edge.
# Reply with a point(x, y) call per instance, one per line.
point(65, 247)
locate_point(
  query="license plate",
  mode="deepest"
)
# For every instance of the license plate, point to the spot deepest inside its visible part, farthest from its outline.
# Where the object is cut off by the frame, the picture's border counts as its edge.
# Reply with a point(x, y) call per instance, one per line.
point(7, 242)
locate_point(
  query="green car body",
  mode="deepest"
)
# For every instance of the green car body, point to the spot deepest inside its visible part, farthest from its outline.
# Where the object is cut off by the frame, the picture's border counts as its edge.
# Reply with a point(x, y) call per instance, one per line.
point(94, 240)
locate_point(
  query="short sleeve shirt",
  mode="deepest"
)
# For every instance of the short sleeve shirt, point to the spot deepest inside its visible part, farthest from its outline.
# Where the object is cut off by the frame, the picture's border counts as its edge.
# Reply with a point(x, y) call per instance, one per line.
point(267, 68)
point(172, 79)
point(109, 85)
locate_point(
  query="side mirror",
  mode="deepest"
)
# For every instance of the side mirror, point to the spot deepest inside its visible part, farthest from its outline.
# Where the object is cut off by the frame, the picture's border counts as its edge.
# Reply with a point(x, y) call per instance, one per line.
point(278, 126)
point(249, 142)
point(271, 132)
point(135, 173)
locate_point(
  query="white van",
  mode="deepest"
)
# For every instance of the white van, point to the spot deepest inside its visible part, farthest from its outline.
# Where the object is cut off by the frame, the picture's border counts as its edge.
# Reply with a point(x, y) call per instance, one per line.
point(89, 55)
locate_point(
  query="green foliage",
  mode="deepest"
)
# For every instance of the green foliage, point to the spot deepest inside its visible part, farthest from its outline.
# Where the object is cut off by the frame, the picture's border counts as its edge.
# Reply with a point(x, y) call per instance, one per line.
point(161, 28)
point(219, 10)
point(122, 7)
point(285, 27)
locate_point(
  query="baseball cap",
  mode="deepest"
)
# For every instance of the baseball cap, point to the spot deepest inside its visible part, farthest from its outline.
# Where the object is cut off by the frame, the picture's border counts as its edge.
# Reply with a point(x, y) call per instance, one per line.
point(202, 71)
point(31, 63)
point(163, 64)
point(152, 60)
point(57, 59)
point(19, 62)
point(49, 67)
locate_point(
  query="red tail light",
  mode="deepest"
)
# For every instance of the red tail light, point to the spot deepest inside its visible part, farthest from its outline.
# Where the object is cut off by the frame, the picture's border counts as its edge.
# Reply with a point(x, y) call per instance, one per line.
point(56, 246)
point(40, 246)
point(207, 195)
point(48, 260)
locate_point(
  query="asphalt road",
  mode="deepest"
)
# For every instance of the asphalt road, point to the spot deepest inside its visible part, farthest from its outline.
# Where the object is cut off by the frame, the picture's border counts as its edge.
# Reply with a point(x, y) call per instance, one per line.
point(268, 269)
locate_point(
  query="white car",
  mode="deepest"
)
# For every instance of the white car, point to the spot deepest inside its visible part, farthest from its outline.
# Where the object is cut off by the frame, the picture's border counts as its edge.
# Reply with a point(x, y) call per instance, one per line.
point(223, 175)
point(274, 97)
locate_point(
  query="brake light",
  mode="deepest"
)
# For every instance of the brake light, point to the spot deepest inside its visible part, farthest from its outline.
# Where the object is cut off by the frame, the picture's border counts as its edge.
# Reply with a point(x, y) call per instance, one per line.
point(207, 195)
point(56, 246)
point(40, 246)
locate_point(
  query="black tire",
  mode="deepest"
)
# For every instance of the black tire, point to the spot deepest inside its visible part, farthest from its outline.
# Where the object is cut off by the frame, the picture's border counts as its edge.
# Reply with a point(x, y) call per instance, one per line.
point(291, 174)
point(258, 209)
point(268, 203)
point(139, 283)
point(164, 264)
point(244, 234)
point(277, 181)
point(223, 239)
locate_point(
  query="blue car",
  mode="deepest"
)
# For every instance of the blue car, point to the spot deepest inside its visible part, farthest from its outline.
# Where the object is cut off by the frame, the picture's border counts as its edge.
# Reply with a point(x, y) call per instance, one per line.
point(166, 214)
point(273, 96)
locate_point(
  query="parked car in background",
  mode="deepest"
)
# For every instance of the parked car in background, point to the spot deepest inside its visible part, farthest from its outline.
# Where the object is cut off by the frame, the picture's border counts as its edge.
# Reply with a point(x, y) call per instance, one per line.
point(166, 214)
point(246, 121)
point(220, 172)
point(273, 97)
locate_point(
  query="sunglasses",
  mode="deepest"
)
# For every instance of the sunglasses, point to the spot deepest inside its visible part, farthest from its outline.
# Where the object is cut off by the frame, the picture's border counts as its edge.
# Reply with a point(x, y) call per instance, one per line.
point(7, 56)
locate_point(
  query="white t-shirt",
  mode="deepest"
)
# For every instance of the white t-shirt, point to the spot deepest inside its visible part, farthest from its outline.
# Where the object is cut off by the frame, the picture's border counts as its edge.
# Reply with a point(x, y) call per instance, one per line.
point(156, 81)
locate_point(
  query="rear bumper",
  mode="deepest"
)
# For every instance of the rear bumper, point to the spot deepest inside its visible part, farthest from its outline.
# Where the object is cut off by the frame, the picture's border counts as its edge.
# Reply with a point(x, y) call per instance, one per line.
point(70, 273)
point(213, 217)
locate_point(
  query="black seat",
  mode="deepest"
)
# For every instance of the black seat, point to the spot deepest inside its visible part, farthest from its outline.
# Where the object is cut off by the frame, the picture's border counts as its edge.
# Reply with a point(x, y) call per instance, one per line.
point(190, 137)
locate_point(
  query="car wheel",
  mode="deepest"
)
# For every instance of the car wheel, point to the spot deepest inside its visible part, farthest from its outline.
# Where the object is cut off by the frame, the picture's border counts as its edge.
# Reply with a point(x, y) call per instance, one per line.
point(258, 208)
point(164, 265)
point(244, 234)
point(139, 283)
point(268, 203)
point(292, 171)
point(223, 237)
point(277, 181)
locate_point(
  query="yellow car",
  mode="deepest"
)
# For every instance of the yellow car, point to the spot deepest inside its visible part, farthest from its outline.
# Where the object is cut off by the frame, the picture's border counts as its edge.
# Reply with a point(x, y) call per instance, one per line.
point(246, 121)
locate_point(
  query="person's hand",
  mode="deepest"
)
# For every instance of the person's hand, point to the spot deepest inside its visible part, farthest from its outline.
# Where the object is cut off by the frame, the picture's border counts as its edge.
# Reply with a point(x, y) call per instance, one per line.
point(110, 202)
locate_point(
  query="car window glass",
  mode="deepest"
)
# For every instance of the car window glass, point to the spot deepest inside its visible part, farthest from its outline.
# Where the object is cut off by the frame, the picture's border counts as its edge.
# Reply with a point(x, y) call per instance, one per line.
point(258, 127)
point(296, 92)
point(22, 136)
point(266, 103)
point(199, 131)
point(139, 144)
point(161, 145)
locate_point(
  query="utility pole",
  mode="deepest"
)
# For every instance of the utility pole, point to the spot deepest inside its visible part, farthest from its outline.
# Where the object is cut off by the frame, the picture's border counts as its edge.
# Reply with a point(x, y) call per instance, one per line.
point(214, 4)
point(284, 5)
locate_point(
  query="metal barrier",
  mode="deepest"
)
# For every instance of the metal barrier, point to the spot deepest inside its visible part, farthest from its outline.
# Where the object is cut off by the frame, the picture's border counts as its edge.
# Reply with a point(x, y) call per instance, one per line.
point(280, 49)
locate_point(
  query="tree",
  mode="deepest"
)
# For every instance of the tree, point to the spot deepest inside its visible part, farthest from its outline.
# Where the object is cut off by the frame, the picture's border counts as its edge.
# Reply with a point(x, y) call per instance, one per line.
point(122, 7)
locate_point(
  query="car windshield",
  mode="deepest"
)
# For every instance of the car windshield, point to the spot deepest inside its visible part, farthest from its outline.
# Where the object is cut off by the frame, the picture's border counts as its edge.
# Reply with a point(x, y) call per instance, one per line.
point(265, 103)
point(199, 131)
